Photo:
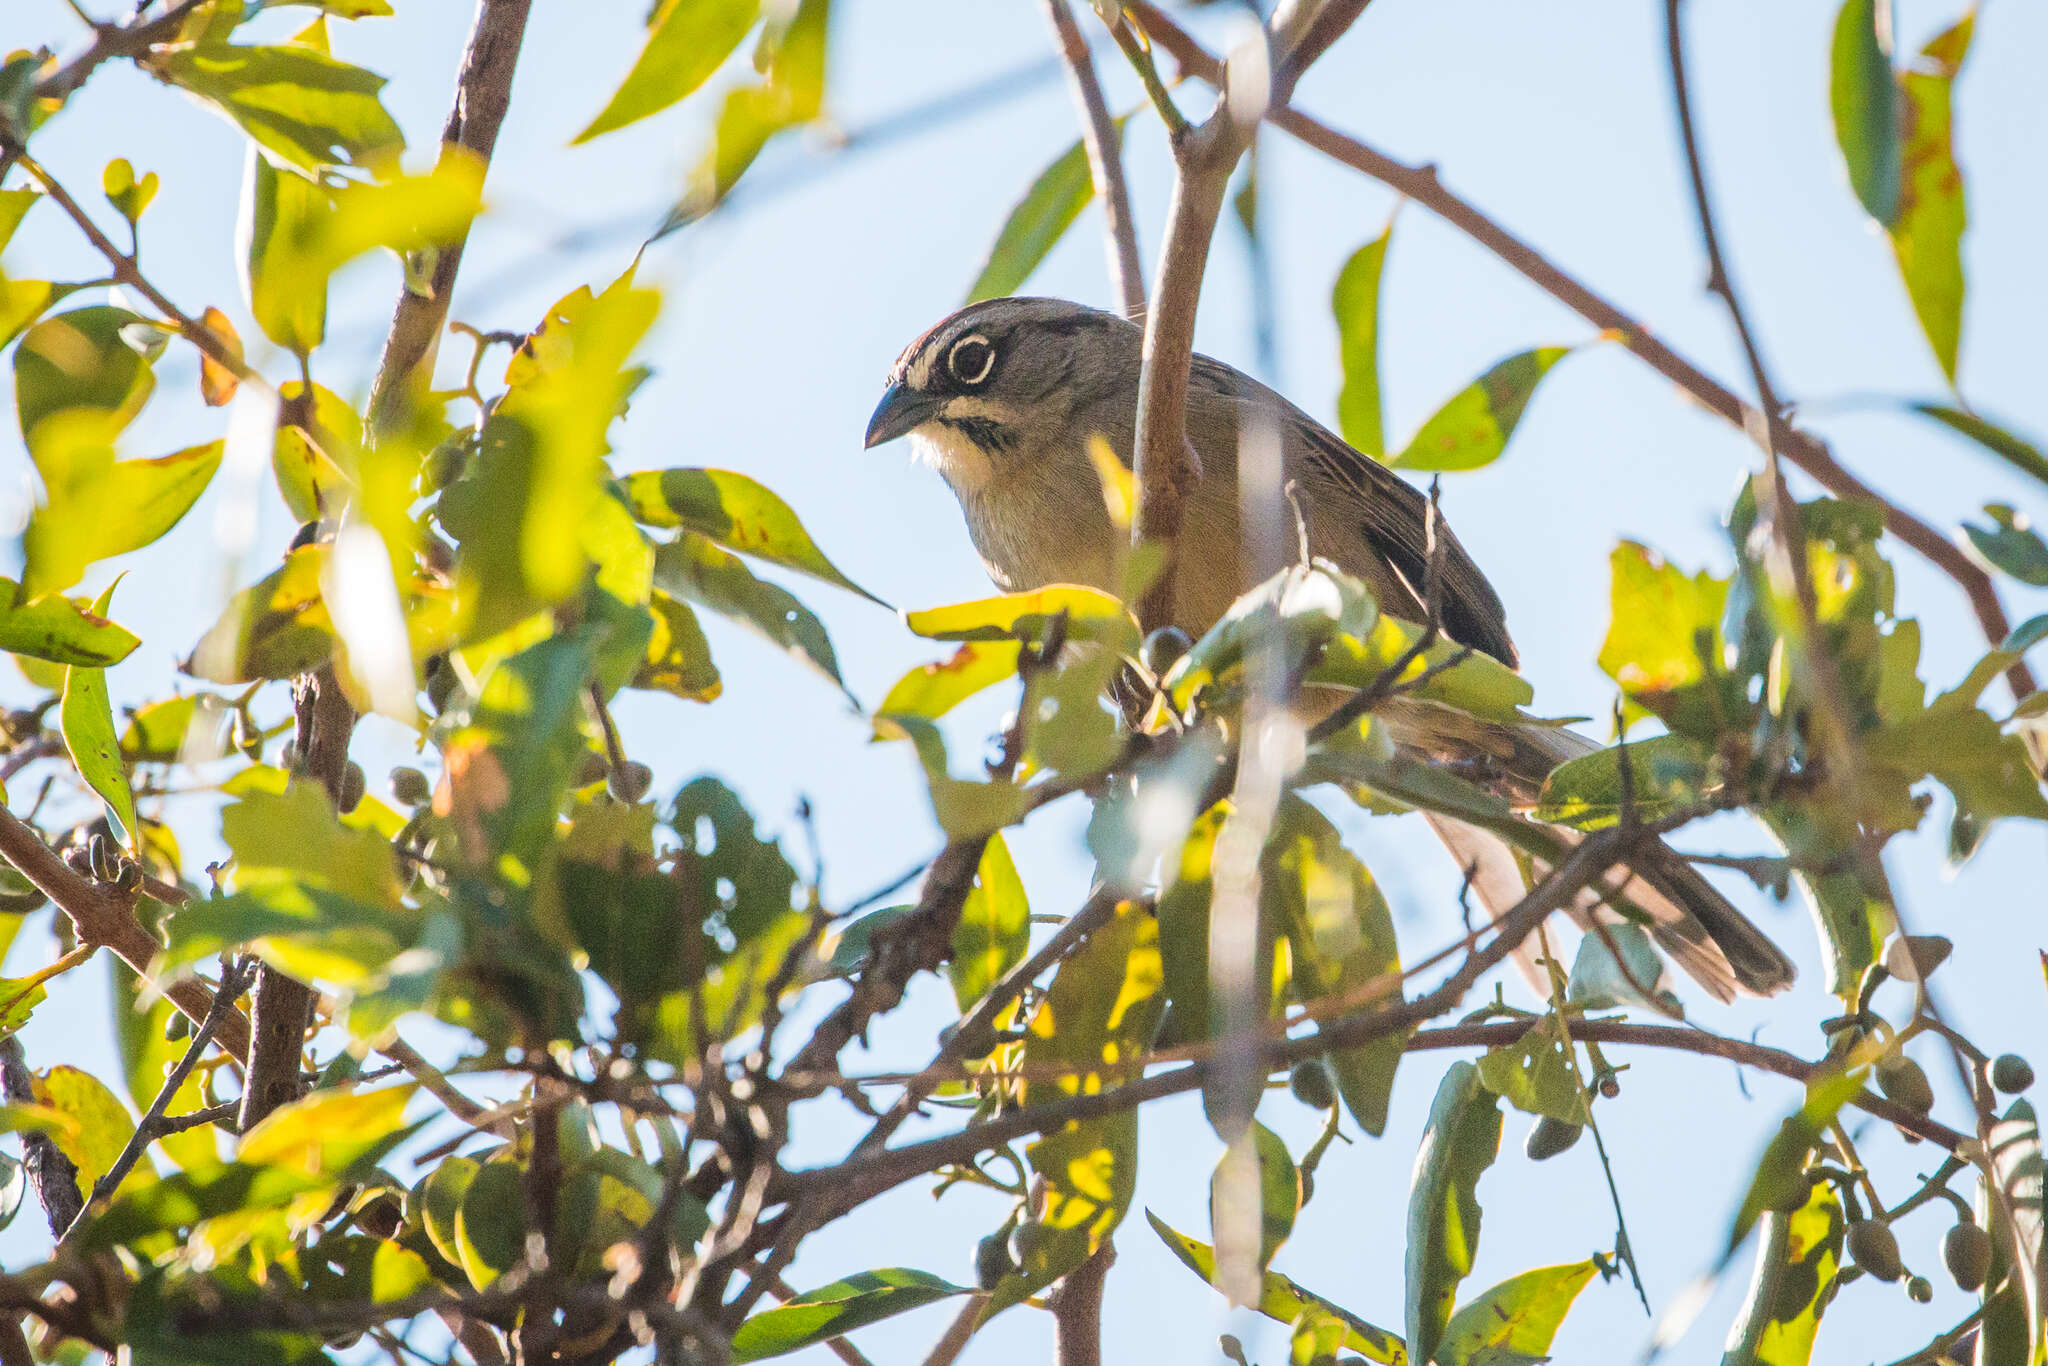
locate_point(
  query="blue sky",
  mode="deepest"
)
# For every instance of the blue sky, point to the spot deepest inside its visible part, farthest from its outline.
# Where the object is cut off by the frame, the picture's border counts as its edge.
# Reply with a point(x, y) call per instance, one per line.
point(784, 311)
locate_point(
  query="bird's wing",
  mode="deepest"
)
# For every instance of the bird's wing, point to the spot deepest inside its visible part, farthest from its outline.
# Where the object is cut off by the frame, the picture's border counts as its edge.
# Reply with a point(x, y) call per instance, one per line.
point(1392, 514)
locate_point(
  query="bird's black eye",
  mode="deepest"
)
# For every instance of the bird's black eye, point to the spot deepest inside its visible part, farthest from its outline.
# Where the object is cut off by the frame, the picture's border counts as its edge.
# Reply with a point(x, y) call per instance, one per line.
point(971, 359)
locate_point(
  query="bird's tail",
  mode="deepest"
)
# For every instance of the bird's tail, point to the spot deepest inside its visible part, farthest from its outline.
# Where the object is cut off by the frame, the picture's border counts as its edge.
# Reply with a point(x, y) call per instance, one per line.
point(1708, 938)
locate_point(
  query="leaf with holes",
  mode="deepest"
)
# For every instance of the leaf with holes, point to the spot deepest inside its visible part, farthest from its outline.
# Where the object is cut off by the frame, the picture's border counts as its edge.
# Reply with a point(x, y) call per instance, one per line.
point(1535, 1073)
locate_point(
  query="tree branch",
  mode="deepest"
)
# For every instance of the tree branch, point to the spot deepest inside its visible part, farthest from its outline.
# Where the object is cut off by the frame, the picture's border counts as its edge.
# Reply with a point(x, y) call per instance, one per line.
point(1806, 451)
point(1105, 161)
point(102, 914)
point(111, 41)
point(483, 92)
point(1076, 1305)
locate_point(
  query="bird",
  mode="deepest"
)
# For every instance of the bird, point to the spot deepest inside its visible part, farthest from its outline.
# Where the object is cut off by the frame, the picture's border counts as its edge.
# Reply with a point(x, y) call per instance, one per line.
point(1003, 398)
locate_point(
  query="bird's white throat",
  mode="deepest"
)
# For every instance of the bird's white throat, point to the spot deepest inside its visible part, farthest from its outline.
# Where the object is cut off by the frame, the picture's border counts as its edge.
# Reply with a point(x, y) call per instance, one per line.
point(953, 454)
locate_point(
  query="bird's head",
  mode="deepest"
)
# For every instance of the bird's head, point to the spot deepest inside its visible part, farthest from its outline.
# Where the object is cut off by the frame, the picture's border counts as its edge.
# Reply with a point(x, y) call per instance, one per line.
point(1001, 381)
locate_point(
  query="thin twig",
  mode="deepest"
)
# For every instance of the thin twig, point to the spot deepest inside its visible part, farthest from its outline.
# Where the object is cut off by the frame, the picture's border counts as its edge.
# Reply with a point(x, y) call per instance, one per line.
point(111, 41)
point(1803, 449)
point(958, 1333)
point(233, 981)
point(1105, 161)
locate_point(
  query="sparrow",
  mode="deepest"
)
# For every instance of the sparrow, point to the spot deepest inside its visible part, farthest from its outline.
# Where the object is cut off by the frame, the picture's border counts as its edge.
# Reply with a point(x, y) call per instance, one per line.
point(1003, 398)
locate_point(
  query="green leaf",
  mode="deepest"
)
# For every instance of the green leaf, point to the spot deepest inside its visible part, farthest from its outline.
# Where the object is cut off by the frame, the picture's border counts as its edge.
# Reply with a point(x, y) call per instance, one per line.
point(24, 301)
point(693, 567)
point(1281, 1300)
point(1779, 1181)
point(791, 54)
point(327, 1139)
point(100, 1128)
point(1514, 1321)
point(302, 106)
point(1473, 426)
point(1864, 97)
point(1048, 208)
point(931, 690)
point(60, 629)
point(81, 359)
point(490, 1223)
point(1927, 232)
point(1342, 936)
point(964, 807)
point(1445, 672)
point(97, 507)
point(296, 836)
point(88, 725)
point(437, 1199)
point(1668, 772)
point(280, 211)
point(1091, 615)
point(1460, 1143)
point(277, 628)
point(129, 194)
point(994, 928)
point(2011, 545)
point(1798, 1262)
point(1664, 644)
point(319, 440)
point(1604, 977)
point(1097, 1017)
point(1535, 1073)
point(687, 40)
point(737, 512)
point(1278, 1188)
point(2012, 1332)
point(14, 206)
point(1297, 612)
point(1356, 302)
point(678, 657)
point(837, 1309)
point(2023, 456)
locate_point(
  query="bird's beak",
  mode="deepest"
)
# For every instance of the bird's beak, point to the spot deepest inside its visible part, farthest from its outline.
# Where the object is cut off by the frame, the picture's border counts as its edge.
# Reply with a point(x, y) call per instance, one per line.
point(901, 410)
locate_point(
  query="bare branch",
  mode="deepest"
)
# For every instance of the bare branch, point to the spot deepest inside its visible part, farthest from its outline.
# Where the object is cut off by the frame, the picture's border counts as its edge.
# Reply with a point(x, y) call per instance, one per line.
point(1105, 161)
point(1803, 449)
point(111, 41)
point(1076, 1305)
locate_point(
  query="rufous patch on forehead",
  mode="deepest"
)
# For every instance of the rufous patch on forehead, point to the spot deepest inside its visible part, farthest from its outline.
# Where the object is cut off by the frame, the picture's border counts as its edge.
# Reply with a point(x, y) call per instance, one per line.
point(906, 361)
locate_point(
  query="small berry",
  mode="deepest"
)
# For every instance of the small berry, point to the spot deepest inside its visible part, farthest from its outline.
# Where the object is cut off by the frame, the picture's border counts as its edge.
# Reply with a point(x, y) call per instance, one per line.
point(1548, 1137)
point(1311, 1084)
point(2010, 1072)
point(630, 781)
point(1873, 1247)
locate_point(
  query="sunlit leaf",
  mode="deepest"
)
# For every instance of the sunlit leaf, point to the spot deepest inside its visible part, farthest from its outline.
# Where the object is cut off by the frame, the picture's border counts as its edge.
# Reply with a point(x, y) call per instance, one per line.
point(692, 567)
point(14, 206)
point(1668, 773)
point(1927, 232)
point(276, 629)
point(791, 55)
point(1445, 672)
point(280, 212)
point(687, 40)
point(737, 512)
point(1356, 303)
point(60, 629)
point(1779, 1181)
point(931, 690)
point(1535, 1073)
point(1460, 1143)
point(1296, 613)
point(1099, 1014)
point(96, 507)
point(1514, 1321)
point(490, 1224)
point(678, 659)
point(1798, 1260)
point(1282, 1300)
point(81, 359)
point(1037, 222)
point(1664, 644)
point(1473, 426)
point(837, 1309)
point(994, 928)
point(1864, 97)
point(1090, 613)
point(318, 440)
point(964, 806)
point(301, 105)
point(103, 1124)
point(1342, 936)
point(24, 301)
point(88, 725)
